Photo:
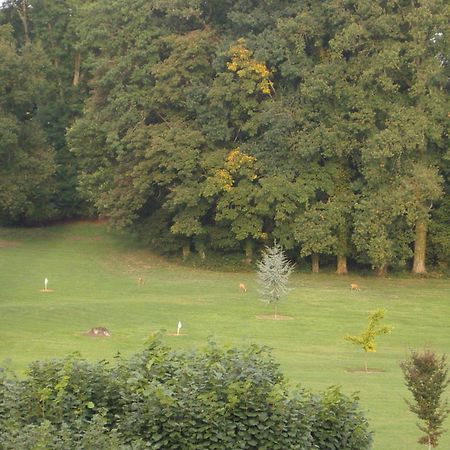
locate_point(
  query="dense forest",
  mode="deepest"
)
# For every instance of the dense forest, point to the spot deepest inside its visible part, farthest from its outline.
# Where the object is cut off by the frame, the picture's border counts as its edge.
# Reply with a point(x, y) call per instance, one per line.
point(218, 126)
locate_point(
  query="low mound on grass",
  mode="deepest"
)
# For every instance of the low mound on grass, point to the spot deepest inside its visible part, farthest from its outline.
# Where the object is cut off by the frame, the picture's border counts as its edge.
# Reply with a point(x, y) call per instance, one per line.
point(273, 317)
point(98, 332)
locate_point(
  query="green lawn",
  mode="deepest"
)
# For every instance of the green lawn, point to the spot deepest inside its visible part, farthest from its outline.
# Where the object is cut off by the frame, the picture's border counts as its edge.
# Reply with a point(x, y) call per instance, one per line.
point(94, 278)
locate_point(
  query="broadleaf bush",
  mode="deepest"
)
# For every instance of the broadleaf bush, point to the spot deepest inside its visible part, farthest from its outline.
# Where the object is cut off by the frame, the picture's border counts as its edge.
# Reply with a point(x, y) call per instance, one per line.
point(216, 398)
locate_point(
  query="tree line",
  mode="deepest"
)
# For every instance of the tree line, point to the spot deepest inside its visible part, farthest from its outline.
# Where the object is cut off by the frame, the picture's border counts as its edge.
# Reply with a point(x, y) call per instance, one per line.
point(221, 126)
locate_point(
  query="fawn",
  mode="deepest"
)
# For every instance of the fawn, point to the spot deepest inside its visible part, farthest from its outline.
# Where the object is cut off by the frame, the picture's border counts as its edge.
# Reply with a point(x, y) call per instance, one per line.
point(242, 287)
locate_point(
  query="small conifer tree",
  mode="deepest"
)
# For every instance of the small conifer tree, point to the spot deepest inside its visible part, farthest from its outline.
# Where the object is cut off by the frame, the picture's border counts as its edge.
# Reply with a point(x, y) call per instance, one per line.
point(426, 377)
point(274, 270)
point(366, 339)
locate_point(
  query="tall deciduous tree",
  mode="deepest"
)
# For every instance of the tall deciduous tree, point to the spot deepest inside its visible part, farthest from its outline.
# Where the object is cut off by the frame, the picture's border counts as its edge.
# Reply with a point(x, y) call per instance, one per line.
point(238, 204)
point(27, 161)
point(379, 74)
point(143, 126)
point(53, 26)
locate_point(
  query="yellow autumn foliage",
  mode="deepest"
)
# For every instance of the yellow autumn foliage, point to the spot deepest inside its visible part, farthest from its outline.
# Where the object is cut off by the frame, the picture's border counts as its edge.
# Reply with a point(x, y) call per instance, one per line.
point(245, 66)
point(237, 159)
point(225, 179)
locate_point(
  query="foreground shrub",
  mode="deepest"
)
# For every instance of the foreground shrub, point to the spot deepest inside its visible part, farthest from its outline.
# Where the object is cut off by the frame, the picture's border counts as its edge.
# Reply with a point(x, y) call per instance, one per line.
point(217, 398)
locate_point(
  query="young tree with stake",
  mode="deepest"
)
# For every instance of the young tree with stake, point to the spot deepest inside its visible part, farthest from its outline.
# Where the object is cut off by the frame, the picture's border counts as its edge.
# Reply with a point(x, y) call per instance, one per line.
point(366, 340)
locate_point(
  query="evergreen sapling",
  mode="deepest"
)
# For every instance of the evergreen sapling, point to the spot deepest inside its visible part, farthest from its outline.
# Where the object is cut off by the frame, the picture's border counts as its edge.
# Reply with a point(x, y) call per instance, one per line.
point(274, 270)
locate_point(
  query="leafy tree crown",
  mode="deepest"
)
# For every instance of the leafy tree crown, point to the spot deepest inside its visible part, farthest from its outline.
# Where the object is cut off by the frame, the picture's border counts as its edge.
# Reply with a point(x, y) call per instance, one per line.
point(367, 338)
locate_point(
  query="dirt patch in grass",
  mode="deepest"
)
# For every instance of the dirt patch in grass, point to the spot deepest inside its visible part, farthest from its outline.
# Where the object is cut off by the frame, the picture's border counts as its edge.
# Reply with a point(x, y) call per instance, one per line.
point(142, 261)
point(362, 370)
point(272, 317)
point(84, 238)
point(136, 264)
point(92, 221)
point(8, 244)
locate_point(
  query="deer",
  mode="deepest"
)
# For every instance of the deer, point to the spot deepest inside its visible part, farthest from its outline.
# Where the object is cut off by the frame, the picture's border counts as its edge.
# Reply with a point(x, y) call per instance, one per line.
point(354, 287)
point(242, 287)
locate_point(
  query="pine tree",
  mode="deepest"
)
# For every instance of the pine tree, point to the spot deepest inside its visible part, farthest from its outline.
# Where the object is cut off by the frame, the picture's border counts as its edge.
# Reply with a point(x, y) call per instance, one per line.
point(274, 270)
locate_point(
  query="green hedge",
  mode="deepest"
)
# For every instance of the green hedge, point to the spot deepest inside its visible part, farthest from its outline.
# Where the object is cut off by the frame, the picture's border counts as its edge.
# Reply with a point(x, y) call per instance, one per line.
point(217, 398)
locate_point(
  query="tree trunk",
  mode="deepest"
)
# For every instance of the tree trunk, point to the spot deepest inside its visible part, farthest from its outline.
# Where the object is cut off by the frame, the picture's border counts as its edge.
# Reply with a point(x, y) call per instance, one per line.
point(186, 250)
point(248, 248)
point(381, 271)
point(420, 246)
point(200, 248)
point(76, 69)
point(22, 11)
point(52, 43)
point(315, 263)
point(341, 268)
point(342, 249)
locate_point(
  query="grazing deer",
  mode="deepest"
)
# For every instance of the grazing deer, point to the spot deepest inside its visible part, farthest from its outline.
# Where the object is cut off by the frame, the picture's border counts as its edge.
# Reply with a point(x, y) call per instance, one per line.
point(354, 287)
point(141, 281)
point(242, 287)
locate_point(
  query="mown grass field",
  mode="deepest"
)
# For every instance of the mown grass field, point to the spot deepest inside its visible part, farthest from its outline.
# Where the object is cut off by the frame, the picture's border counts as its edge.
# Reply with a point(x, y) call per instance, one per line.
point(94, 278)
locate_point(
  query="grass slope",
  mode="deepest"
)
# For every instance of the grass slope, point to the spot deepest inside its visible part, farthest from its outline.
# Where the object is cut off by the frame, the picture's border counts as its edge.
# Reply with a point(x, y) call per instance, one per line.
point(94, 278)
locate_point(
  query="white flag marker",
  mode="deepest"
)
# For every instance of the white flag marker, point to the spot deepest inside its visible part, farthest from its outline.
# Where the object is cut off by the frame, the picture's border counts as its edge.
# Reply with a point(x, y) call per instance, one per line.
point(45, 284)
point(178, 328)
